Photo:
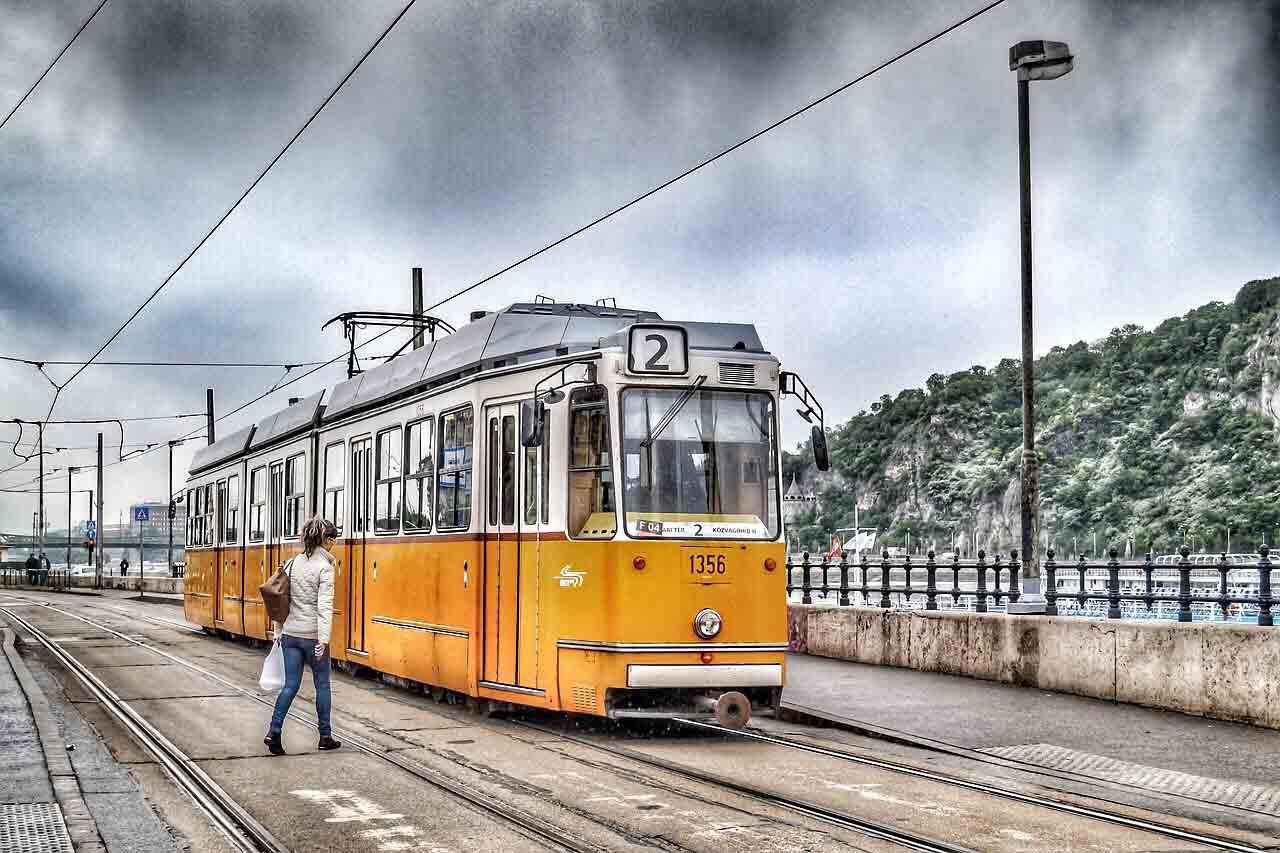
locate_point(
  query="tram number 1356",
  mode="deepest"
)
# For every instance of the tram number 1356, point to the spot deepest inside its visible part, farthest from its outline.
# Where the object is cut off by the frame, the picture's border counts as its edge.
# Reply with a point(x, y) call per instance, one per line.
point(707, 564)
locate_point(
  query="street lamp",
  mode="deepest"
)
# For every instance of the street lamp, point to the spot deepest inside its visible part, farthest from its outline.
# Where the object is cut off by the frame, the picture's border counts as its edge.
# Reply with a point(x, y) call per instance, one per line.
point(172, 508)
point(70, 470)
point(1033, 60)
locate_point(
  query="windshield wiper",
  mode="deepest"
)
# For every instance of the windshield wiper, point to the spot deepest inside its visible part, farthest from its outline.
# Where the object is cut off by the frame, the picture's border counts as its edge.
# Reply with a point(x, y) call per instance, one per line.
point(674, 409)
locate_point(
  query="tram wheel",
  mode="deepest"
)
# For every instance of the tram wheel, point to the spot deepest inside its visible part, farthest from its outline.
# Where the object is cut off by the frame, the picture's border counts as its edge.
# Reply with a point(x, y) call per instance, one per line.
point(439, 694)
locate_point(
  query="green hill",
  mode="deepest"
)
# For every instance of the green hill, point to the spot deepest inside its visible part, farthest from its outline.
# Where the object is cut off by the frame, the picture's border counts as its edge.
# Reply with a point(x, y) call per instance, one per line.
point(1142, 434)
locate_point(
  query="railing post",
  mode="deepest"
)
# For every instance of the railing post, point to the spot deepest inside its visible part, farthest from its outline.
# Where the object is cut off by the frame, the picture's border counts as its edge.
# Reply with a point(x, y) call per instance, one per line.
point(1264, 587)
point(1224, 598)
point(825, 566)
point(982, 582)
point(906, 588)
point(1147, 569)
point(790, 567)
point(930, 583)
point(1014, 568)
point(1015, 578)
point(1050, 585)
point(1082, 596)
point(884, 580)
point(1184, 585)
point(864, 565)
point(955, 581)
point(805, 597)
point(844, 578)
point(1113, 584)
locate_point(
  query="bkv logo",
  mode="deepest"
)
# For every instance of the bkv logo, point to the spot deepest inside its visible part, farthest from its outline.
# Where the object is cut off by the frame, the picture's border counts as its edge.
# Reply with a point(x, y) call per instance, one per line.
point(568, 577)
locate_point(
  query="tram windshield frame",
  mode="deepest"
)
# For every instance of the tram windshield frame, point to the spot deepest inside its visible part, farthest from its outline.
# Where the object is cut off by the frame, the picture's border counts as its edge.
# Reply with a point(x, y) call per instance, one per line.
point(694, 481)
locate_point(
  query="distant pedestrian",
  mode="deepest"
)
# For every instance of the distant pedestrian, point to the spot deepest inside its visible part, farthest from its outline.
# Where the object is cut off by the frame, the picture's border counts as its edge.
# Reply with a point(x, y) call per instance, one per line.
point(44, 568)
point(33, 568)
point(124, 566)
point(304, 637)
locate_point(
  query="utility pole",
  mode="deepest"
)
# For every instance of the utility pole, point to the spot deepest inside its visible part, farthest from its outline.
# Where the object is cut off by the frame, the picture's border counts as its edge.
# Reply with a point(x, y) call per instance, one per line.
point(40, 453)
point(102, 523)
point(418, 325)
point(70, 470)
point(171, 510)
point(208, 414)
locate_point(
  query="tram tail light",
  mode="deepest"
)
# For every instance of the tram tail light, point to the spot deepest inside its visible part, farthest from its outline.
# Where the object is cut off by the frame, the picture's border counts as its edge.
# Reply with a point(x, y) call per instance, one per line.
point(639, 563)
point(706, 657)
point(770, 564)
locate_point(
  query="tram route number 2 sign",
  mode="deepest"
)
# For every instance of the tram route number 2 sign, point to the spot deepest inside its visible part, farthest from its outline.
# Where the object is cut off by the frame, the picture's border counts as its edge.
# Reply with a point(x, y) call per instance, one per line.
point(658, 351)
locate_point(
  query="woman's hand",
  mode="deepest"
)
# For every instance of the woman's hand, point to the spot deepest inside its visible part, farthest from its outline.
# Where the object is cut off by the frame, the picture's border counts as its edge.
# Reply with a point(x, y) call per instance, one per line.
point(320, 647)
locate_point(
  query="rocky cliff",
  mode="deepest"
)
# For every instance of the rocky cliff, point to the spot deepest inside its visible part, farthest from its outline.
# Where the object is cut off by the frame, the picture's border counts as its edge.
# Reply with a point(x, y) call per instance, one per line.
point(1141, 436)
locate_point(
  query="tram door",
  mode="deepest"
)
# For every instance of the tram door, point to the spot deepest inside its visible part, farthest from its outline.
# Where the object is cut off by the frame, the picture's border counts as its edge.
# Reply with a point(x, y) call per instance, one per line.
point(504, 587)
point(361, 522)
point(220, 585)
point(275, 536)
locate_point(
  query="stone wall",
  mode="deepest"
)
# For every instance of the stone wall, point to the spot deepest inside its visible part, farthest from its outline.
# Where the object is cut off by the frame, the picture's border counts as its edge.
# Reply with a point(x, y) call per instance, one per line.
point(130, 583)
point(1227, 672)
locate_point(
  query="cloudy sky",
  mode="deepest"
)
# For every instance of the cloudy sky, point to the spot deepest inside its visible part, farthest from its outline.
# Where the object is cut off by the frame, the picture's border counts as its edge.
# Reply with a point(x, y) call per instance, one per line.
point(873, 241)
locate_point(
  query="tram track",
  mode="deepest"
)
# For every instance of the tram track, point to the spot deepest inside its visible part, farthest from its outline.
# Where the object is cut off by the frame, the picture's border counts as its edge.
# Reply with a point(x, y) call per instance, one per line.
point(831, 817)
point(1141, 824)
point(240, 828)
point(529, 825)
point(810, 810)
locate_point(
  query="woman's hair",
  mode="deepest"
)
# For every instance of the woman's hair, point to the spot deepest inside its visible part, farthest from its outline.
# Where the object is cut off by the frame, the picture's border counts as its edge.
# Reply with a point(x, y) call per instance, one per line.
point(314, 532)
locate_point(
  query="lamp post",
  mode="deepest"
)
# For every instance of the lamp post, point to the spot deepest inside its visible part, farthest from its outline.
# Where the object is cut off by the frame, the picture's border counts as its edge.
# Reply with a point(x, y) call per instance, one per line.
point(171, 509)
point(70, 470)
point(1033, 60)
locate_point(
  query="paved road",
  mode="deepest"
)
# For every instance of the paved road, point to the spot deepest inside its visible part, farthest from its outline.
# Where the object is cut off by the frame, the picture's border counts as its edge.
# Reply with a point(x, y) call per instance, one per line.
point(352, 801)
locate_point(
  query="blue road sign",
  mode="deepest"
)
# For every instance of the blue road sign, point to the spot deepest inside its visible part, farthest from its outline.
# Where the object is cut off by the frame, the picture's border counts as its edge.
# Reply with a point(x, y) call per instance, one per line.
point(91, 529)
point(142, 513)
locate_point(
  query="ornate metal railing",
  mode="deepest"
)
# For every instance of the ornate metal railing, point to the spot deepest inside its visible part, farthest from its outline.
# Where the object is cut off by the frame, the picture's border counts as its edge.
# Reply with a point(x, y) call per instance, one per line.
point(1120, 589)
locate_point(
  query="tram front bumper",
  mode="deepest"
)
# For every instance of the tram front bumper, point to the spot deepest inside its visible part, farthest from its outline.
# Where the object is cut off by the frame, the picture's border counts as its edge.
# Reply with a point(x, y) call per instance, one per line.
point(704, 675)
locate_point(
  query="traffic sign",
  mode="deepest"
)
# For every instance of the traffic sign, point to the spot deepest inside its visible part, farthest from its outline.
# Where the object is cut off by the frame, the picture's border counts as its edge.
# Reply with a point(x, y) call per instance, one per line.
point(173, 510)
point(91, 529)
point(142, 513)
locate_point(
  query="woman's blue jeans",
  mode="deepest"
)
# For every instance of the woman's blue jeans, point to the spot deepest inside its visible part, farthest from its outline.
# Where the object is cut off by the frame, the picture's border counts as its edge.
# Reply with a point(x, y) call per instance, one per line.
point(299, 651)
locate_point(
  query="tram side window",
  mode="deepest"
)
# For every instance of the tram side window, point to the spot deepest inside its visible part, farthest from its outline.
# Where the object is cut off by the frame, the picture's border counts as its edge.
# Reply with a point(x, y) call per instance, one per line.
point(277, 500)
point(191, 516)
point(537, 477)
point(453, 480)
point(419, 465)
point(591, 502)
point(219, 532)
point(257, 504)
point(334, 481)
point(208, 515)
point(231, 530)
point(295, 472)
point(386, 494)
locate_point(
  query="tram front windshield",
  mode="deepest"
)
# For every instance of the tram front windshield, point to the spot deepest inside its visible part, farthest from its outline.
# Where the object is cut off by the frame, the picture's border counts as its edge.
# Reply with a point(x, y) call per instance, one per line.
point(699, 464)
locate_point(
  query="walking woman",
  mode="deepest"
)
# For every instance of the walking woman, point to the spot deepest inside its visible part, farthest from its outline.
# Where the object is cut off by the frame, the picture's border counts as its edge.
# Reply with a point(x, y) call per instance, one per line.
point(304, 638)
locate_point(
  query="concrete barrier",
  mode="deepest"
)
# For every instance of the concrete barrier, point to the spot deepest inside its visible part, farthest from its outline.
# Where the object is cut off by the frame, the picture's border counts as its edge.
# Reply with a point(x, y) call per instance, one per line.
point(1226, 672)
point(130, 583)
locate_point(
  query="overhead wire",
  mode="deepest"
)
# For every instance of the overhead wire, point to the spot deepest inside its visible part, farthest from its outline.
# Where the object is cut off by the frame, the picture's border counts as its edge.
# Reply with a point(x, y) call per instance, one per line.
point(46, 71)
point(233, 207)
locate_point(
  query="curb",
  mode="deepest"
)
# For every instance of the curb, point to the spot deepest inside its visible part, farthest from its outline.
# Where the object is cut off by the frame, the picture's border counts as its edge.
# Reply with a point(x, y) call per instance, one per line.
point(62, 775)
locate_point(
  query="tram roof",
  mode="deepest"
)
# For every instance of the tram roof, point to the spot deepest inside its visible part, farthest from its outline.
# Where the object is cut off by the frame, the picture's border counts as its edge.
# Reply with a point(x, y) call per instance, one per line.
point(523, 331)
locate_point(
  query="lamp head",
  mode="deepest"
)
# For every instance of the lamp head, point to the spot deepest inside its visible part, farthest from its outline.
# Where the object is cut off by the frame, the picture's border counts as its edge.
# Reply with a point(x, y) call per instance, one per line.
point(1041, 60)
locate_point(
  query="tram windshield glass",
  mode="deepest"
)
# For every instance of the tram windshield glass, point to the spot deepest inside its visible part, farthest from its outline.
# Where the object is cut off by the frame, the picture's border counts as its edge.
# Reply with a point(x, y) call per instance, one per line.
point(699, 464)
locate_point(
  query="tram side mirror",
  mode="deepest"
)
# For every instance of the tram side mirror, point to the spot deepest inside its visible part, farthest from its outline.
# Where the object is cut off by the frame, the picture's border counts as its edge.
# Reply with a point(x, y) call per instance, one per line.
point(819, 442)
point(532, 417)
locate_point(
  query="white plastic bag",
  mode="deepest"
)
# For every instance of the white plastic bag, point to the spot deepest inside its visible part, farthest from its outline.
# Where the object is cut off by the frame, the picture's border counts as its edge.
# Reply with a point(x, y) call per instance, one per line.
point(272, 678)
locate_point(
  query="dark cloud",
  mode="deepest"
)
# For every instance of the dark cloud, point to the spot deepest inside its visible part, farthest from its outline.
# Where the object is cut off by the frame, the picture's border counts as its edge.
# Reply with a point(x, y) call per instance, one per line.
point(874, 240)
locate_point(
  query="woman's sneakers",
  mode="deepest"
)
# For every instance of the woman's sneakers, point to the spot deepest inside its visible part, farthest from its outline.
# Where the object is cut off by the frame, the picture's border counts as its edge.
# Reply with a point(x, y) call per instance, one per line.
point(327, 742)
point(273, 744)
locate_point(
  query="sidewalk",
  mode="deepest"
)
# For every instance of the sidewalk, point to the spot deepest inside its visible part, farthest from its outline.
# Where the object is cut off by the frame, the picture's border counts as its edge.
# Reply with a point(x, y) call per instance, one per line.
point(32, 815)
point(1163, 751)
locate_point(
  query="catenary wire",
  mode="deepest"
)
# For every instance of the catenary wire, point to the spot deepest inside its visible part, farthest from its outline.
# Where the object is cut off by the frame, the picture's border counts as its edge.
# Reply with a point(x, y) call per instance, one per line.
point(45, 73)
point(548, 247)
point(234, 206)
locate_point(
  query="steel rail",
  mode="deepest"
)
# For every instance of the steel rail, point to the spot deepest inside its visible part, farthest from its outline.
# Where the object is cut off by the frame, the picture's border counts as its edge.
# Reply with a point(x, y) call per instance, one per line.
point(871, 829)
point(231, 819)
point(1213, 841)
point(530, 825)
point(819, 813)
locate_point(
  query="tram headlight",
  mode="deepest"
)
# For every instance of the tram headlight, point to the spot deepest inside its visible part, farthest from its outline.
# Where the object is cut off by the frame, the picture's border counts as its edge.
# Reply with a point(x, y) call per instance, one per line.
point(707, 623)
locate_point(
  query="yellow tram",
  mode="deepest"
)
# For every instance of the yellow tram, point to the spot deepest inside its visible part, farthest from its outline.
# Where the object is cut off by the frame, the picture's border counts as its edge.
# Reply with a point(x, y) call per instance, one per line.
point(561, 506)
